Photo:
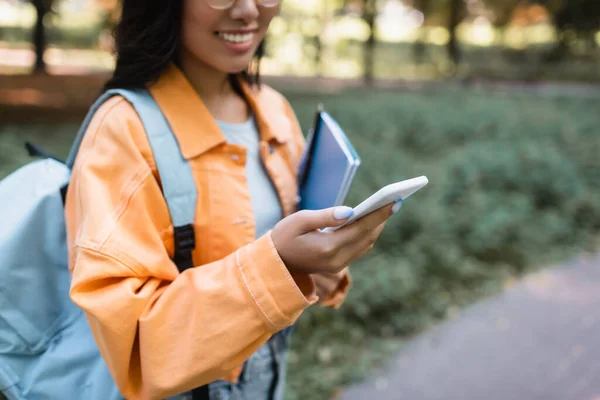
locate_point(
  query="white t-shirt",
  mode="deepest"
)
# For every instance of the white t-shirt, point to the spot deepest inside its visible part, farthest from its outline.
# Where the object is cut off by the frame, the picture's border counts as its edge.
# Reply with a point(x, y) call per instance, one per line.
point(265, 202)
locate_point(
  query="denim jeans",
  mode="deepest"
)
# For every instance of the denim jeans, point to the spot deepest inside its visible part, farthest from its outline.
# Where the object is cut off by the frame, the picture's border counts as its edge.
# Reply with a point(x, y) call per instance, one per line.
point(262, 377)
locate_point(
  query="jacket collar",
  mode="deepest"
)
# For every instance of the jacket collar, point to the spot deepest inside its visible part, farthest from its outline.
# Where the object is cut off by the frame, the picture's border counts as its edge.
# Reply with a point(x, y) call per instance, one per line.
point(193, 125)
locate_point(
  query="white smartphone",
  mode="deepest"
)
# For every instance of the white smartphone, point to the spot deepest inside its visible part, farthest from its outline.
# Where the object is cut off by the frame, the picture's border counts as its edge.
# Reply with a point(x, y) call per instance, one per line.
point(384, 196)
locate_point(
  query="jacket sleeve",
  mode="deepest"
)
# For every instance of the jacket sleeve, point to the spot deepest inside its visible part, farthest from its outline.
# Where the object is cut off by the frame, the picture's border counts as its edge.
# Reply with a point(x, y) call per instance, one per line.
point(338, 296)
point(161, 332)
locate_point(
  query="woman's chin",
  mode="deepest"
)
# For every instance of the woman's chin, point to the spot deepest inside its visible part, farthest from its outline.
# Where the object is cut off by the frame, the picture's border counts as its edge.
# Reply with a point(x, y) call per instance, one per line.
point(234, 65)
point(236, 68)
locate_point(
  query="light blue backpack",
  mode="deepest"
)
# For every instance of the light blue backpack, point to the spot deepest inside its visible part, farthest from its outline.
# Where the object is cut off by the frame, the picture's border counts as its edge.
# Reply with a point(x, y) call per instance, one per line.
point(47, 350)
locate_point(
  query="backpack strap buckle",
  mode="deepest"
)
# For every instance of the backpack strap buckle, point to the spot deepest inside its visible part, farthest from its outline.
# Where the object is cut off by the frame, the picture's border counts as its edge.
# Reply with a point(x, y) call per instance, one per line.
point(185, 242)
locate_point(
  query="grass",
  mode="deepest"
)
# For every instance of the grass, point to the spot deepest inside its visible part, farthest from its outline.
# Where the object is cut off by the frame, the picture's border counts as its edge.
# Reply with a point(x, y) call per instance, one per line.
point(514, 180)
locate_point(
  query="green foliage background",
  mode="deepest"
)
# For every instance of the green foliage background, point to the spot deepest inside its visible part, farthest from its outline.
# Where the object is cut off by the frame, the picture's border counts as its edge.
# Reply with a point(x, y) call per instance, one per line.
point(514, 182)
point(514, 185)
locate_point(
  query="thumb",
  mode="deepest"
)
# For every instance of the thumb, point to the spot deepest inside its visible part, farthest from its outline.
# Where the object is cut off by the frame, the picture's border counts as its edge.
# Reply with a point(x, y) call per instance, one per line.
point(311, 220)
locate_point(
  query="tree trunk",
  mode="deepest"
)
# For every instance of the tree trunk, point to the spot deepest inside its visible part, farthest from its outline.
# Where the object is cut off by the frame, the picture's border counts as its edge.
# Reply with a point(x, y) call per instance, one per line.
point(419, 44)
point(39, 35)
point(369, 13)
point(319, 41)
point(454, 20)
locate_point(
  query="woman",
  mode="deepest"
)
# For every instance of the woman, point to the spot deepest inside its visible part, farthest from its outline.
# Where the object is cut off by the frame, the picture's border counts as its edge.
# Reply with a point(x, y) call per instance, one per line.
point(258, 262)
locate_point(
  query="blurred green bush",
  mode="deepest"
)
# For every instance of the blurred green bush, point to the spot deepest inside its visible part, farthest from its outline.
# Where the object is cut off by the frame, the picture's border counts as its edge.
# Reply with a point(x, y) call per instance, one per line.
point(514, 185)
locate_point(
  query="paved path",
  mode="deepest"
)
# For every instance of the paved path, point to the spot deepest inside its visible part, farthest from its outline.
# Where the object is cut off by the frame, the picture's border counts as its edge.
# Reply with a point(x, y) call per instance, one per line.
point(540, 340)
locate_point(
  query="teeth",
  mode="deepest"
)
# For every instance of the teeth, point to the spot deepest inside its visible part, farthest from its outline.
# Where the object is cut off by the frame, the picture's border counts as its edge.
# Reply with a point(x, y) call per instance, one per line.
point(236, 38)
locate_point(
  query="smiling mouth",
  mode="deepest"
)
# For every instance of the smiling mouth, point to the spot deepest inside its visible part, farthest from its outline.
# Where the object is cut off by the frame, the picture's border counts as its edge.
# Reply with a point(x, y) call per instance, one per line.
point(236, 37)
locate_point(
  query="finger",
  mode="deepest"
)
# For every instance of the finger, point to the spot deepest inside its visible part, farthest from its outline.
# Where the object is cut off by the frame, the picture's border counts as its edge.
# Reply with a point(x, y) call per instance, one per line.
point(326, 283)
point(366, 244)
point(377, 217)
point(310, 220)
point(364, 226)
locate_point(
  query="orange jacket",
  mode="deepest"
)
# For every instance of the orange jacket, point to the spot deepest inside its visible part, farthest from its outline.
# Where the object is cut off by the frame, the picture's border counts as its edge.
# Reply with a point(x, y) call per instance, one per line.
point(162, 332)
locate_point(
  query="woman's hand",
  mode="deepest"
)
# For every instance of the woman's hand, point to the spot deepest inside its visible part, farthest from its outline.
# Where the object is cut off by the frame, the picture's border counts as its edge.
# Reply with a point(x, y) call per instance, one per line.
point(327, 283)
point(305, 249)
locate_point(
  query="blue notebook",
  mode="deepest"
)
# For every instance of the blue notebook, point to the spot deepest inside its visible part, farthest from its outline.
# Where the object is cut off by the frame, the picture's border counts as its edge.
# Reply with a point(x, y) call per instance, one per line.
point(328, 165)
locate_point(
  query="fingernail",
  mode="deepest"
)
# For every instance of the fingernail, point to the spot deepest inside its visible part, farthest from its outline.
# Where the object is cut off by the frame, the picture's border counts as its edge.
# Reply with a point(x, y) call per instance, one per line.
point(343, 212)
point(397, 206)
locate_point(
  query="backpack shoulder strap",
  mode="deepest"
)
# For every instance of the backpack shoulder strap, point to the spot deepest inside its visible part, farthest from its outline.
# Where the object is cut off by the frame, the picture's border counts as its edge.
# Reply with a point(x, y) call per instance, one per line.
point(179, 187)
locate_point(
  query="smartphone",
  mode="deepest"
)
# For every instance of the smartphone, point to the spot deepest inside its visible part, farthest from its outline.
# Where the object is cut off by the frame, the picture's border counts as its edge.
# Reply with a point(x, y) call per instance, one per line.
point(384, 196)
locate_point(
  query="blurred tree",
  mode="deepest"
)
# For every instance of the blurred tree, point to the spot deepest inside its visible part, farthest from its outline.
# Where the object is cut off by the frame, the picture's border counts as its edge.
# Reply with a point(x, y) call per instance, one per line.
point(579, 17)
point(502, 10)
point(444, 12)
point(369, 12)
point(456, 15)
point(419, 45)
point(42, 8)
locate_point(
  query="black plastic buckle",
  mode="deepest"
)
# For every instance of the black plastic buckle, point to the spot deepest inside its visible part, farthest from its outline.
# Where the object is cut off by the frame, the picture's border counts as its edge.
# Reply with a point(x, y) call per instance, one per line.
point(185, 243)
point(201, 393)
point(35, 151)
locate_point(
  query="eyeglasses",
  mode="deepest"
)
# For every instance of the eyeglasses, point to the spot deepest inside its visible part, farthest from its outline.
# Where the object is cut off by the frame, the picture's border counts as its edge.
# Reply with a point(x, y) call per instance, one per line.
point(224, 4)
